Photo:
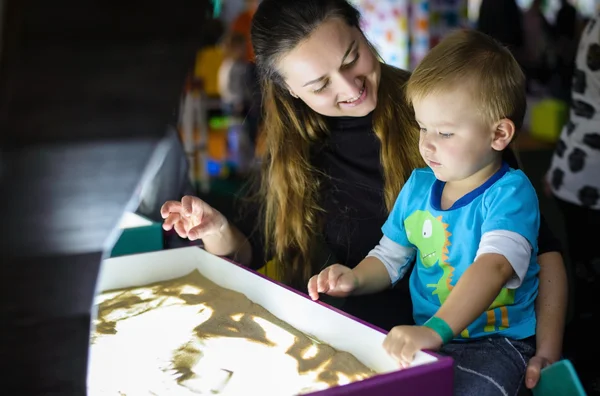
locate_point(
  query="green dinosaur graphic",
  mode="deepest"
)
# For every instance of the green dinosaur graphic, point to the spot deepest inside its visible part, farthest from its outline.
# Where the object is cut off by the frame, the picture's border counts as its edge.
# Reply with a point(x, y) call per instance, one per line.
point(431, 237)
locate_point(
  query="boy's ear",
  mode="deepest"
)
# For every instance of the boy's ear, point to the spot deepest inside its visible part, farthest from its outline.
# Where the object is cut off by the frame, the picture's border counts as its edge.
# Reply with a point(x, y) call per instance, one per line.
point(504, 132)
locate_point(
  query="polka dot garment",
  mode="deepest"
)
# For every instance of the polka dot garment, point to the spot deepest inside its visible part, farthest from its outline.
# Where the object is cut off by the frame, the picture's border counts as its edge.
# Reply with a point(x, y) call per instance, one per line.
point(574, 175)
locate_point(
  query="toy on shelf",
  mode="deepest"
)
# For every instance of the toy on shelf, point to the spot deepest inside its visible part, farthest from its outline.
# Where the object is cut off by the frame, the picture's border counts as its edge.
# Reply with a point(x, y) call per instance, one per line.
point(216, 146)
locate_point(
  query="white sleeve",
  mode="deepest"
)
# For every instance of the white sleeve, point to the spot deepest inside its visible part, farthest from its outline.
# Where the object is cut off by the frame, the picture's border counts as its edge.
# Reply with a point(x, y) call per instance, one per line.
point(511, 245)
point(395, 257)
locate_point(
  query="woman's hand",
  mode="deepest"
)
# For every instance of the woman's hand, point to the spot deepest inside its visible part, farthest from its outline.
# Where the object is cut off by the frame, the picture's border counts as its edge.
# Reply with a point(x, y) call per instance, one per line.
point(534, 368)
point(193, 218)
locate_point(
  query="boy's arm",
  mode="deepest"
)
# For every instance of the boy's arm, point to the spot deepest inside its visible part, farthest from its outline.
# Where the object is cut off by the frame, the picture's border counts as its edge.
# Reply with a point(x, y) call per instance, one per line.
point(371, 276)
point(475, 291)
point(386, 264)
point(390, 259)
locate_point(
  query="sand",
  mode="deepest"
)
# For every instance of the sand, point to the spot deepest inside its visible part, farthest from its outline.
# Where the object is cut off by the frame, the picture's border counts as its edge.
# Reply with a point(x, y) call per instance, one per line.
point(189, 336)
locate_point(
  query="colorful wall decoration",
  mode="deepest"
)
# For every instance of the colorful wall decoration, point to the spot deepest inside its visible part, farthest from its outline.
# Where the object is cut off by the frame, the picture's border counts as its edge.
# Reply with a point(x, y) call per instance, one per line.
point(446, 16)
point(434, 19)
point(420, 30)
point(385, 23)
point(404, 30)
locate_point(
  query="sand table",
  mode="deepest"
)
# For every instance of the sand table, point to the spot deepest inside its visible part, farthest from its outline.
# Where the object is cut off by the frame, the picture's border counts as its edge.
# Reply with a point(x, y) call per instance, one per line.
point(188, 336)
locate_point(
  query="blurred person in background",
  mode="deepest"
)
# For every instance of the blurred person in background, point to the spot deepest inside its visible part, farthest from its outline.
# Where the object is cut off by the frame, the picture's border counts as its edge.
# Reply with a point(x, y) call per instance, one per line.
point(502, 20)
point(232, 76)
point(566, 29)
point(573, 179)
point(538, 42)
point(242, 24)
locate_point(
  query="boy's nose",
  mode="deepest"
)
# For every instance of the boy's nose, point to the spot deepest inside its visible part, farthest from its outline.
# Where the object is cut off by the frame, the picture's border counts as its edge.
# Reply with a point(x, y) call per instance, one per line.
point(427, 145)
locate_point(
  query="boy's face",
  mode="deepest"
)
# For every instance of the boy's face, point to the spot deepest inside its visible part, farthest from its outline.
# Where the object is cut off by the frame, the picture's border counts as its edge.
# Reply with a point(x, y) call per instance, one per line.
point(454, 140)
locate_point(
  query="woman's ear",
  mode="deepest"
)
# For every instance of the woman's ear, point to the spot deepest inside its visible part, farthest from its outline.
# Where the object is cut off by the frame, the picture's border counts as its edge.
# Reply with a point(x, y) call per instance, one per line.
point(504, 132)
point(293, 94)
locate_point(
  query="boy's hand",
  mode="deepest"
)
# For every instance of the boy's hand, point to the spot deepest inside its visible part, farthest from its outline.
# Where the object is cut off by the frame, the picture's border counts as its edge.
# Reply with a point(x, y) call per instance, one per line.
point(403, 342)
point(335, 280)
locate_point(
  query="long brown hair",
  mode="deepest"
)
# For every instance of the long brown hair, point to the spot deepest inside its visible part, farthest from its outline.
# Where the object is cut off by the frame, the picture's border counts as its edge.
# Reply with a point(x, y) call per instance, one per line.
point(290, 184)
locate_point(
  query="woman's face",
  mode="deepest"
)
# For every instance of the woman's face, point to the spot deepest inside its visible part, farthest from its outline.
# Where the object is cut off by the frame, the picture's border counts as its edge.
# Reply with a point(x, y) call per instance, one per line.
point(333, 71)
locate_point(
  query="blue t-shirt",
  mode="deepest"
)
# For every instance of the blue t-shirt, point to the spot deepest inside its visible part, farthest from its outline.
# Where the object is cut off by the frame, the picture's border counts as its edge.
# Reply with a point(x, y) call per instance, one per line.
point(447, 242)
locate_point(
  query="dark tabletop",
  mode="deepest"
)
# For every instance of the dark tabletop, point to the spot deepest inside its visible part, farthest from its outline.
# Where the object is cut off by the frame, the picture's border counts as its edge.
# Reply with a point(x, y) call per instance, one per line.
point(87, 92)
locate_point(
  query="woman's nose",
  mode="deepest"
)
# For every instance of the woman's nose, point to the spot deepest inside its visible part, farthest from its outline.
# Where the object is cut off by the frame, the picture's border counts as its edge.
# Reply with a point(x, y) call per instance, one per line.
point(350, 86)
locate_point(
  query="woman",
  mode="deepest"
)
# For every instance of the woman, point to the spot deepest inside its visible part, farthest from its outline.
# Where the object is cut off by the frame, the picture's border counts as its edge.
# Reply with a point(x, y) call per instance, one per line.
point(341, 141)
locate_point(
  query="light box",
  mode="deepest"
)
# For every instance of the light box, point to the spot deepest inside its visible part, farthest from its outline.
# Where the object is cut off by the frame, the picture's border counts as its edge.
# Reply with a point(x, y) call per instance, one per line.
point(429, 374)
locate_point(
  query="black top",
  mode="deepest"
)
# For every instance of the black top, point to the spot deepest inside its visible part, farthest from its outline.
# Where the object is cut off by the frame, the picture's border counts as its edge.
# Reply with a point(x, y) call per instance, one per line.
point(352, 196)
point(355, 211)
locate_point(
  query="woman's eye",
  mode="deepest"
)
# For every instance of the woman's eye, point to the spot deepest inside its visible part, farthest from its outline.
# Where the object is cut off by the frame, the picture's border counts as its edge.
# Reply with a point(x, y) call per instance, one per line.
point(446, 135)
point(353, 62)
point(319, 90)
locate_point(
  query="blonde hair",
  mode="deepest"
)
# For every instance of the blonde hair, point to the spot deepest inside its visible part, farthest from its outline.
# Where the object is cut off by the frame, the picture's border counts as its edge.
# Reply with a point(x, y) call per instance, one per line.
point(473, 59)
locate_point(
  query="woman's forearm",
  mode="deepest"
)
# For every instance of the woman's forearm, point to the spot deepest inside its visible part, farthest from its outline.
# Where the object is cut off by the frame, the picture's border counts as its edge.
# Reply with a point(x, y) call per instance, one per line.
point(551, 305)
point(230, 242)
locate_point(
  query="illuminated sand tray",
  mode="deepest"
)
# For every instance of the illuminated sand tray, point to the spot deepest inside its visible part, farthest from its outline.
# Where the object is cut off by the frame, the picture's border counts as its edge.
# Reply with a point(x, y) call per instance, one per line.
point(189, 336)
